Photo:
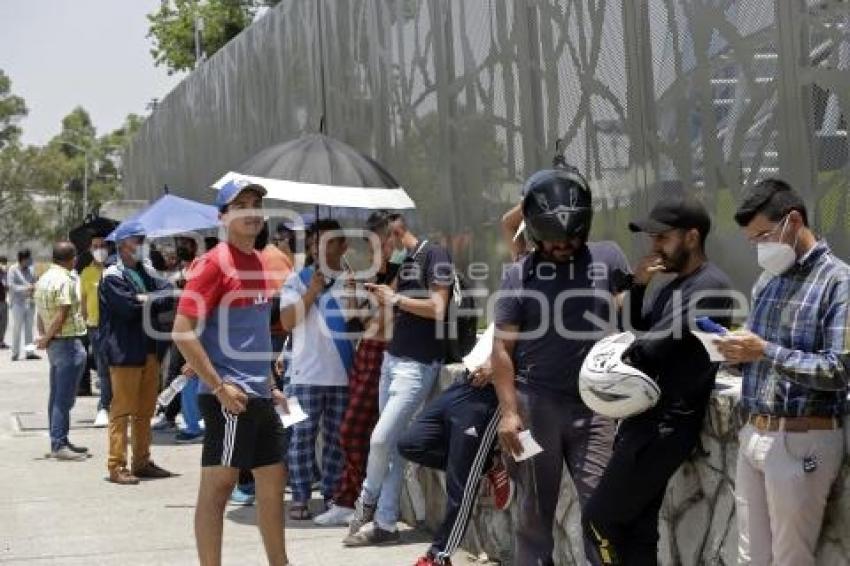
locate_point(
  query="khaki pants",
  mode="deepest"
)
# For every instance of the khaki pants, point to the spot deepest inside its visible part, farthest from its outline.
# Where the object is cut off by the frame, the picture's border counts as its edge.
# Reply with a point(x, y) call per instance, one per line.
point(134, 391)
point(780, 506)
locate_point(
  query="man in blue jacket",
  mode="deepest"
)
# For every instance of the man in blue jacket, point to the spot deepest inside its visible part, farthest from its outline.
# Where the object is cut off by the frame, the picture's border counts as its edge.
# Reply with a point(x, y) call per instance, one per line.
point(126, 323)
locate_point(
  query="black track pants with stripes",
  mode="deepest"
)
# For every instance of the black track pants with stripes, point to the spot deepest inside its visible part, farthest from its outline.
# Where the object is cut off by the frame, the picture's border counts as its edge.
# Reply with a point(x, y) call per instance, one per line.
point(456, 432)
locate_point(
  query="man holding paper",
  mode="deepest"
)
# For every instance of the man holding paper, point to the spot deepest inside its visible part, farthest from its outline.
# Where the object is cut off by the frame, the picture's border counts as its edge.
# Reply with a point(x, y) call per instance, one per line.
point(314, 305)
point(620, 520)
point(553, 305)
point(794, 355)
point(222, 329)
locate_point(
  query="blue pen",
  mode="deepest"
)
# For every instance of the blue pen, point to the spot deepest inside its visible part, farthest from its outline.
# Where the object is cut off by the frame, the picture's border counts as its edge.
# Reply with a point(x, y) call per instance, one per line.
point(707, 325)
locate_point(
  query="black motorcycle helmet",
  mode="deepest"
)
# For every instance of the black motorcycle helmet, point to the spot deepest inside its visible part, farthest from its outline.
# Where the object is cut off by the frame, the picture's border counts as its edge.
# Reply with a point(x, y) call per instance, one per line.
point(557, 204)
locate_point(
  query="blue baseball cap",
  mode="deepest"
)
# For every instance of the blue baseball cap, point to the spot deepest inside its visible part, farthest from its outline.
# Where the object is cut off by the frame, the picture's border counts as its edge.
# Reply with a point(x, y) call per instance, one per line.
point(233, 188)
point(130, 229)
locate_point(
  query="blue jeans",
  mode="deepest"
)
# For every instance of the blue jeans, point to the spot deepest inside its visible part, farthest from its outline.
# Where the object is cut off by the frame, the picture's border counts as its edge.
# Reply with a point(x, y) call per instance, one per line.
point(101, 364)
point(189, 406)
point(404, 386)
point(67, 359)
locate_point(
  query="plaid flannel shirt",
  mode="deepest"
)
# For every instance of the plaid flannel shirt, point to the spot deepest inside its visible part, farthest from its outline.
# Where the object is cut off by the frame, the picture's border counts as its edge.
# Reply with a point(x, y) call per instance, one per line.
point(803, 315)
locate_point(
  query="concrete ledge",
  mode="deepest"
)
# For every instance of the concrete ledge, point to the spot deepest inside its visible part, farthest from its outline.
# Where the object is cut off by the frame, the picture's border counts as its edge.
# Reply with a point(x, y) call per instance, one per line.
point(697, 518)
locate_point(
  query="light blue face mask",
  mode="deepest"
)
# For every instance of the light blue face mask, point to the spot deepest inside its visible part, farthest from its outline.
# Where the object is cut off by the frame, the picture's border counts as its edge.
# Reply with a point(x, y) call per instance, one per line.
point(398, 256)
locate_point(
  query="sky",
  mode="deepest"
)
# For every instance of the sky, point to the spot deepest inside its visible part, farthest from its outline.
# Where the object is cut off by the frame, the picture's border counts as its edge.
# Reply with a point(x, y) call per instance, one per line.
point(61, 54)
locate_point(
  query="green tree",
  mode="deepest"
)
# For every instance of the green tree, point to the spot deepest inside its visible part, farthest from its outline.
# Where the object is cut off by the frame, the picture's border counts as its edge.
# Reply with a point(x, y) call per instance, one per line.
point(109, 150)
point(76, 147)
point(12, 109)
point(172, 28)
point(18, 209)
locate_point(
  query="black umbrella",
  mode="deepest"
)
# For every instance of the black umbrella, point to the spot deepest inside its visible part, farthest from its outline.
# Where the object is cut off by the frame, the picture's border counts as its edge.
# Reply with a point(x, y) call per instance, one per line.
point(316, 169)
point(94, 226)
point(81, 237)
point(320, 160)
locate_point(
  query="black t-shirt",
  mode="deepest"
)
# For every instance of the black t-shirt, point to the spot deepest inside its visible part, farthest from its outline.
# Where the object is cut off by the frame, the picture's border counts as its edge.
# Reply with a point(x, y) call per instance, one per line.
point(669, 353)
point(415, 337)
point(564, 308)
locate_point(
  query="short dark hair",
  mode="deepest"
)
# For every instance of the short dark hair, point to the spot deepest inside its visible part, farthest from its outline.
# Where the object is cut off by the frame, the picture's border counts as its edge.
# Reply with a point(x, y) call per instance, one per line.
point(772, 197)
point(4, 259)
point(324, 225)
point(396, 216)
point(210, 242)
point(378, 221)
point(24, 254)
point(63, 251)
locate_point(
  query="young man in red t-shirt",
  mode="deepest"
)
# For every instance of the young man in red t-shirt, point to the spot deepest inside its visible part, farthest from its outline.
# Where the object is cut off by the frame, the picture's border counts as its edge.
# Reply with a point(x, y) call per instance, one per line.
point(222, 329)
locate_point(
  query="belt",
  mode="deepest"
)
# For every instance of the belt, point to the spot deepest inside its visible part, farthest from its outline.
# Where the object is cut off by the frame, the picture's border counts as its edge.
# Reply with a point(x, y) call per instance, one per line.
point(770, 423)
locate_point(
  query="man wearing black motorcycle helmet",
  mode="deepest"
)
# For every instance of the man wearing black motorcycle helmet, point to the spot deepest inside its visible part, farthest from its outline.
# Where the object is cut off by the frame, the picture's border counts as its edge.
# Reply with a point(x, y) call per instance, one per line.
point(553, 305)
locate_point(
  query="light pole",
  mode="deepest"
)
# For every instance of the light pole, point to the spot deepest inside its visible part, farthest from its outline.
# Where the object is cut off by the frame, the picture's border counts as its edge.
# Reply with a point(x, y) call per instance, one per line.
point(199, 33)
point(85, 174)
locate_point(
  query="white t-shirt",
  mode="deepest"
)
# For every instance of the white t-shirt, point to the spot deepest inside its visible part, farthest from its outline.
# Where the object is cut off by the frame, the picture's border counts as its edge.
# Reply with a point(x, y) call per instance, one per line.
point(315, 359)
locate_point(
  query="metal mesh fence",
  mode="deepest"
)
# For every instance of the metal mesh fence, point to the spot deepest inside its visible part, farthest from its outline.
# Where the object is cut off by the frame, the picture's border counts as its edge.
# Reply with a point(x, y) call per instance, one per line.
point(461, 100)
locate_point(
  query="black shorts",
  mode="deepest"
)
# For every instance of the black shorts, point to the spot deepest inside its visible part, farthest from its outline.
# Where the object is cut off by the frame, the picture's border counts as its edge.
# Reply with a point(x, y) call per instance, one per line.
point(249, 440)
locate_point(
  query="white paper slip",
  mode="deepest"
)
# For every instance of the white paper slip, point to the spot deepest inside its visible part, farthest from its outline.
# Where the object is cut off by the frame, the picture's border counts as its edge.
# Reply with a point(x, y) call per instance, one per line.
point(708, 340)
point(295, 415)
point(480, 354)
point(529, 446)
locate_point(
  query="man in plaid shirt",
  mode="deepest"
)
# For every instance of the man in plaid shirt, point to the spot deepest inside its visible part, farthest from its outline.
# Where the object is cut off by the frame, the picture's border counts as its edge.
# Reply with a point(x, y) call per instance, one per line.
point(794, 357)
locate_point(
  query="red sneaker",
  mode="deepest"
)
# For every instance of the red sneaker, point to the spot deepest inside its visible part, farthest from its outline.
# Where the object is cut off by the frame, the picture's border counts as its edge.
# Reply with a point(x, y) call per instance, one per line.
point(431, 560)
point(501, 486)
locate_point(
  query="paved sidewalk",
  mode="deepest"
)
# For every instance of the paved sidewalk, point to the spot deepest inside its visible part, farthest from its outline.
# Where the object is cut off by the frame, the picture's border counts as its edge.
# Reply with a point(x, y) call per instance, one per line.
point(66, 513)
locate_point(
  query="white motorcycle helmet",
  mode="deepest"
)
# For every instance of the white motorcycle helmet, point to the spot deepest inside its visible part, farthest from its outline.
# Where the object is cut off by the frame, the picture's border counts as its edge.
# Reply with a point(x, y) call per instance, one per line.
point(611, 387)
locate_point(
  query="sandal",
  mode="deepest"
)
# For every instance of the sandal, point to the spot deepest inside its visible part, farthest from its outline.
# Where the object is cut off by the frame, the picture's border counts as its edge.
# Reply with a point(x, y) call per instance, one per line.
point(299, 512)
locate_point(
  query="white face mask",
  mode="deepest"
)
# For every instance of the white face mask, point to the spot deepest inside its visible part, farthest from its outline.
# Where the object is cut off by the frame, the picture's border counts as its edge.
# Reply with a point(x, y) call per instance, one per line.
point(777, 257)
point(138, 254)
point(99, 255)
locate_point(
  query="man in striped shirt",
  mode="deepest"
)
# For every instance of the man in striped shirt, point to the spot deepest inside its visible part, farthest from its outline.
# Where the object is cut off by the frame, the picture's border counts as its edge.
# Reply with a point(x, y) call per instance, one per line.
point(794, 356)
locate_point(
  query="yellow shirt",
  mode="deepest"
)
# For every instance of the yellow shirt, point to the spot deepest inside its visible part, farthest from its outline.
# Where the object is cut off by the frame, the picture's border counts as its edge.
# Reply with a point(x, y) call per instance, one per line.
point(56, 288)
point(89, 280)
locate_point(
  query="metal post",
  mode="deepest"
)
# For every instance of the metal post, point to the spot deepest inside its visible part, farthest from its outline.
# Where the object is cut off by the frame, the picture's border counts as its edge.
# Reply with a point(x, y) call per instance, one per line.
point(199, 29)
point(85, 184)
point(85, 173)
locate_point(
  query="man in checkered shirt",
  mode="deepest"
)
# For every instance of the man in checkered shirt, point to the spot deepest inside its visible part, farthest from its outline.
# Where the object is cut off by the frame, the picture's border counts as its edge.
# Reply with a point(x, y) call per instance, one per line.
point(794, 356)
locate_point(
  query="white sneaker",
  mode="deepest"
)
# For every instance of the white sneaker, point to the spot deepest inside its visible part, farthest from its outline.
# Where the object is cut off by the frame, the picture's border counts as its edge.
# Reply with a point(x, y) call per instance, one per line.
point(102, 419)
point(336, 516)
point(160, 423)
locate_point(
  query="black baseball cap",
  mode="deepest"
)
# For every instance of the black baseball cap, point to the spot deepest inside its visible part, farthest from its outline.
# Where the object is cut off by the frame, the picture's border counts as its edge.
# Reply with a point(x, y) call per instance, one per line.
point(683, 211)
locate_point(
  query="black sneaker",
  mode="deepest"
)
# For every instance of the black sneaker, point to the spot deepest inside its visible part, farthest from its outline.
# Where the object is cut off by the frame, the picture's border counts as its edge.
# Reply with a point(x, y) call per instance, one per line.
point(363, 514)
point(372, 537)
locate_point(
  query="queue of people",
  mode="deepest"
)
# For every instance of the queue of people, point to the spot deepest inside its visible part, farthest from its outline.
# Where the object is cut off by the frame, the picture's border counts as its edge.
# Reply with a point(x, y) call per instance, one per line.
point(257, 332)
